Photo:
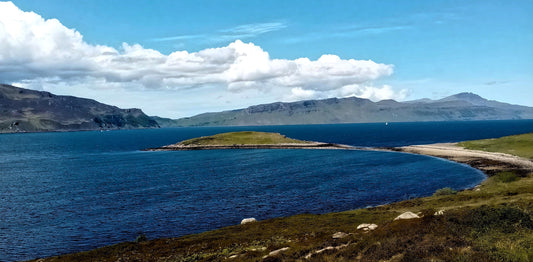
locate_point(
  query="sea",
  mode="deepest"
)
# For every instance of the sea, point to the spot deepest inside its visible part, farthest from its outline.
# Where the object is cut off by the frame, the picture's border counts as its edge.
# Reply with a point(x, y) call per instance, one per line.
point(64, 192)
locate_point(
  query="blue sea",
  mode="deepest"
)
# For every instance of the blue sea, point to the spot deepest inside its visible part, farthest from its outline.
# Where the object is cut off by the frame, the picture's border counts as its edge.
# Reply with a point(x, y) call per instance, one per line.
point(75, 191)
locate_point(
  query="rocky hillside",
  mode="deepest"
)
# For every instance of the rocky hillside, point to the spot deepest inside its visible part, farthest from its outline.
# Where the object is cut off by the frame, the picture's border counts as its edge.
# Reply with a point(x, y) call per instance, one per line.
point(24, 110)
point(463, 106)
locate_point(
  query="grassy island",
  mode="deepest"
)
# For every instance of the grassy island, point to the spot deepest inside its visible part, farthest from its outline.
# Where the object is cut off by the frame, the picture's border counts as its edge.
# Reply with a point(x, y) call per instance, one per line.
point(243, 138)
point(246, 140)
point(491, 222)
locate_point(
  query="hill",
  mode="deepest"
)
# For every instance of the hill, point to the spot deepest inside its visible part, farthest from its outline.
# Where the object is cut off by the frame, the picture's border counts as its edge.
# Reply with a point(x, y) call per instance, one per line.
point(246, 140)
point(463, 106)
point(243, 138)
point(24, 110)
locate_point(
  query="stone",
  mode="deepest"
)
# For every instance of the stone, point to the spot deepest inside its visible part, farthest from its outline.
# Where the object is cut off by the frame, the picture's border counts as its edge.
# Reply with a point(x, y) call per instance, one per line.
point(407, 215)
point(248, 220)
point(276, 252)
point(439, 213)
point(367, 227)
point(339, 235)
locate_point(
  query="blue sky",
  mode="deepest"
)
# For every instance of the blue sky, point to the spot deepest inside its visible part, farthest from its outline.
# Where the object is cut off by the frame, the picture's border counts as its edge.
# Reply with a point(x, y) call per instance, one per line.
point(418, 49)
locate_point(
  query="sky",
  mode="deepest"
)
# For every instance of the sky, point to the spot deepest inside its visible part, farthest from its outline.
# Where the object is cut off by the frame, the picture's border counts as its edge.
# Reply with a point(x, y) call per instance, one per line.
point(181, 58)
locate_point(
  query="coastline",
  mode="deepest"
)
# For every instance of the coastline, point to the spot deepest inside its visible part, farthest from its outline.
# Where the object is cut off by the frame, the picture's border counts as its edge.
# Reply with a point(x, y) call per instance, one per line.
point(242, 245)
point(310, 145)
point(489, 163)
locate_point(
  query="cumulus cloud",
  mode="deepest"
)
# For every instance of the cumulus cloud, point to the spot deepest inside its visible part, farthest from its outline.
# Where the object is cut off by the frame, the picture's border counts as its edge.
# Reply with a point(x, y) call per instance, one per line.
point(34, 50)
point(362, 91)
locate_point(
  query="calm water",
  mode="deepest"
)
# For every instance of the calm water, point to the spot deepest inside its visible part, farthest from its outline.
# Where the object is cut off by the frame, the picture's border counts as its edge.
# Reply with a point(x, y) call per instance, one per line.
point(68, 192)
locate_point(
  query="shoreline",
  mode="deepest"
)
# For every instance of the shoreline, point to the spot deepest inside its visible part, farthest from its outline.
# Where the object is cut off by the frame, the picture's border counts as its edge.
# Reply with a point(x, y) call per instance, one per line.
point(310, 145)
point(489, 163)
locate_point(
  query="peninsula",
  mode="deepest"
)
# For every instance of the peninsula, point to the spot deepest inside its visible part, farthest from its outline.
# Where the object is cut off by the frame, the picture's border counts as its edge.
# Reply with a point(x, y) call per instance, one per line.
point(247, 140)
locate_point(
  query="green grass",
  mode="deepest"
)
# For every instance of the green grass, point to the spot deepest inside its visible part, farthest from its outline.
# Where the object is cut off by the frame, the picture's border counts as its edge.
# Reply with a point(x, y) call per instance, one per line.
point(519, 145)
point(445, 191)
point(242, 138)
point(507, 177)
point(492, 222)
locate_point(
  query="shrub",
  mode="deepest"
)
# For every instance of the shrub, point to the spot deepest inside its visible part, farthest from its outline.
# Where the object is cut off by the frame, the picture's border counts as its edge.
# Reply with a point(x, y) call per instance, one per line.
point(445, 191)
point(504, 219)
point(507, 177)
point(141, 238)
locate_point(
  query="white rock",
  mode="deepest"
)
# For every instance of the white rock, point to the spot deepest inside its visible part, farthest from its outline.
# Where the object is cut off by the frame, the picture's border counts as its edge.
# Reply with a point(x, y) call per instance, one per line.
point(439, 213)
point(407, 215)
point(339, 235)
point(276, 252)
point(248, 220)
point(367, 227)
point(308, 256)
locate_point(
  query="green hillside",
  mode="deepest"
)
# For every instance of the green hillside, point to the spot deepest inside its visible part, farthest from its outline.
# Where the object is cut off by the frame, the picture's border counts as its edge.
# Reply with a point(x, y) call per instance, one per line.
point(519, 145)
point(25, 110)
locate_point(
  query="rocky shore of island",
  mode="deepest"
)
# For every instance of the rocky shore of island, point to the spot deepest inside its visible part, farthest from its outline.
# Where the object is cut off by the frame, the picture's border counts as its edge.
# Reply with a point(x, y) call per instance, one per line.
point(247, 140)
point(310, 145)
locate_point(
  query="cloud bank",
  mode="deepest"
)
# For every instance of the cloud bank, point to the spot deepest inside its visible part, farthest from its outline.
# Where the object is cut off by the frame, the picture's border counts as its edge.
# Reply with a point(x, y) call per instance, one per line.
point(42, 52)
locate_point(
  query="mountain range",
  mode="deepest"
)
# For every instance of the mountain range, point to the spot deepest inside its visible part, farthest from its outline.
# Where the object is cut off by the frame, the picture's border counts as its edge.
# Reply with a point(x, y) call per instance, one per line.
point(462, 106)
point(24, 110)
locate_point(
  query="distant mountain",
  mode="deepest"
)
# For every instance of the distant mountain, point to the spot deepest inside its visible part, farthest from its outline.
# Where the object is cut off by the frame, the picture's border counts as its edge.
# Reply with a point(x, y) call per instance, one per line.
point(164, 122)
point(463, 106)
point(24, 110)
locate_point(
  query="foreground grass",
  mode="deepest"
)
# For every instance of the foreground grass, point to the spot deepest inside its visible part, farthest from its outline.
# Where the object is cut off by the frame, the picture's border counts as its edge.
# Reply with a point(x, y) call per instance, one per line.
point(519, 145)
point(243, 138)
point(492, 222)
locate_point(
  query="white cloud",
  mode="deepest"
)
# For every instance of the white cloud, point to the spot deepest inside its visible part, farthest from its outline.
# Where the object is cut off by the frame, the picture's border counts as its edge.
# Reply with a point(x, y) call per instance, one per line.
point(39, 52)
point(298, 93)
point(255, 29)
point(372, 93)
point(228, 34)
point(361, 91)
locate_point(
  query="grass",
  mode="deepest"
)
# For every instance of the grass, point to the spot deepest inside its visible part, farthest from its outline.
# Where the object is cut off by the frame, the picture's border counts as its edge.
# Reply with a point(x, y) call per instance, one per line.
point(519, 145)
point(445, 191)
point(243, 138)
point(492, 222)
point(507, 177)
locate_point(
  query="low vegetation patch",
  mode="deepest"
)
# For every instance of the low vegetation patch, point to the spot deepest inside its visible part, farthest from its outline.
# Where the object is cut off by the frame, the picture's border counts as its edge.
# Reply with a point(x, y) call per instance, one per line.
point(445, 191)
point(507, 177)
point(519, 145)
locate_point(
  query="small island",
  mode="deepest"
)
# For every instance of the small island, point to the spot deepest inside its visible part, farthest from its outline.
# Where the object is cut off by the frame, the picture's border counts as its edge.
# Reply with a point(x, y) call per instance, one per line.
point(247, 140)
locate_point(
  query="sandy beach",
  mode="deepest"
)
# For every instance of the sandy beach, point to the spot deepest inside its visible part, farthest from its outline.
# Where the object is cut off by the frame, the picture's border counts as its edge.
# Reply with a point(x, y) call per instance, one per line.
point(488, 162)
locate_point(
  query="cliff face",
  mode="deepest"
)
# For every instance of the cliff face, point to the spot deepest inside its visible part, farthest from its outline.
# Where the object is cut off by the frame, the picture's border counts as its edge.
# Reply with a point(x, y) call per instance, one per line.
point(463, 106)
point(24, 110)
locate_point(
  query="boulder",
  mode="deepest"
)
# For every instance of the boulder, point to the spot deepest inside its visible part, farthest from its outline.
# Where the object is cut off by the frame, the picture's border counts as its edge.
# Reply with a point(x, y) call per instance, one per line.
point(367, 227)
point(276, 252)
point(439, 213)
point(339, 235)
point(248, 220)
point(407, 215)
